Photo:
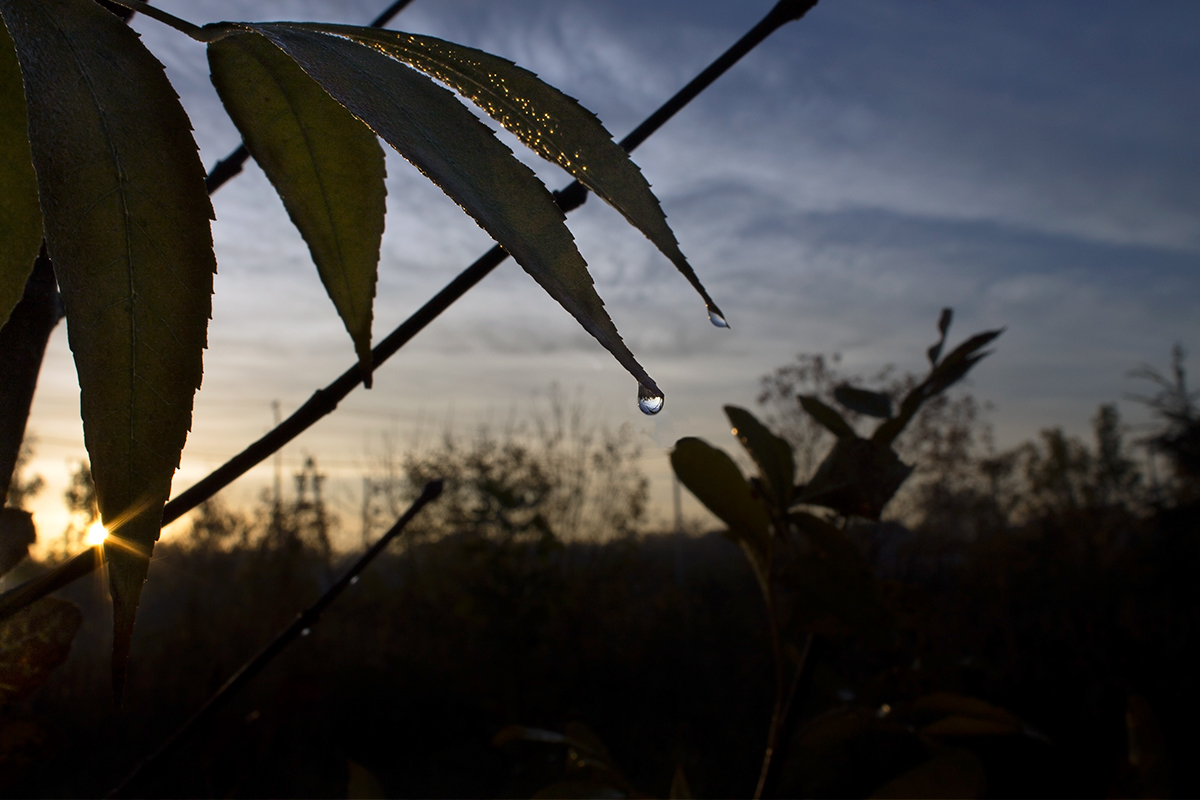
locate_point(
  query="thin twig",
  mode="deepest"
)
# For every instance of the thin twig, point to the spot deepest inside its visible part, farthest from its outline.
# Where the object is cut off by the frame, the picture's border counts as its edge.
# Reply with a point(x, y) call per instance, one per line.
point(808, 645)
point(303, 623)
point(386, 15)
point(770, 762)
point(326, 400)
point(784, 12)
point(777, 710)
point(181, 25)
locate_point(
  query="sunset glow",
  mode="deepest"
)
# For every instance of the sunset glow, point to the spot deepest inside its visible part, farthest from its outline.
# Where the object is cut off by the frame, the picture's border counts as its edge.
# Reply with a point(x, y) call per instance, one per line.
point(96, 534)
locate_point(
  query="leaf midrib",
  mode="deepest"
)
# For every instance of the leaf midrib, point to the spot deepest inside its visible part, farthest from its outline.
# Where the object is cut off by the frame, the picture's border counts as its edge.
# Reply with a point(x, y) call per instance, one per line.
point(326, 203)
point(132, 297)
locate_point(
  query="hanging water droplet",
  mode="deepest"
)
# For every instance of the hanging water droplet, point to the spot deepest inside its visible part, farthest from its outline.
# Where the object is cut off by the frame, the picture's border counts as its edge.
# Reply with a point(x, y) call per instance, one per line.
point(306, 632)
point(649, 402)
point(716, 317)
point(354, 580)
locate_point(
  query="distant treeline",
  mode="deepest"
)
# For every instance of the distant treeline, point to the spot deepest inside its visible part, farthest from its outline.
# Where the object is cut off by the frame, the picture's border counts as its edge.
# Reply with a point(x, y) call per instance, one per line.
point(1052, 585)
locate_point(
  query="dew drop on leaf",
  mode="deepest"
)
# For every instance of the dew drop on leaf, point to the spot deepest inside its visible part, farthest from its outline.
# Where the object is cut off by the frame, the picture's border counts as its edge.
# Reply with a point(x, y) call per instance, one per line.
point(649, 402)
point(716, 317)
point(306, 632)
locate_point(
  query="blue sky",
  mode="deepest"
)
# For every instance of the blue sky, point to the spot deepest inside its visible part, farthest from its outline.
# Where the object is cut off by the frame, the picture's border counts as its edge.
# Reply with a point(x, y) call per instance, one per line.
point(1034, 165)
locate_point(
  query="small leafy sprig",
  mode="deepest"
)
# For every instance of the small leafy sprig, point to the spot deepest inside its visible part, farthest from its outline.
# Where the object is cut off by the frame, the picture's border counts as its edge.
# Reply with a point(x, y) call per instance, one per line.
point(813, 579)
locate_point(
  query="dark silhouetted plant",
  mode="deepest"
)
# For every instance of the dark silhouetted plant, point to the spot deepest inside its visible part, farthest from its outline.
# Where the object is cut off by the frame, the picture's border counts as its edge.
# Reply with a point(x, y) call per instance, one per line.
point(813, 579)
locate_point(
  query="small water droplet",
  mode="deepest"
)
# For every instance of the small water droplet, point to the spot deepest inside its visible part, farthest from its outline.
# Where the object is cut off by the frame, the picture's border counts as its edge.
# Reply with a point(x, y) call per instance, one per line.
point(649, 402)
point(716, 317)
point(306, 632)
point(354, 580)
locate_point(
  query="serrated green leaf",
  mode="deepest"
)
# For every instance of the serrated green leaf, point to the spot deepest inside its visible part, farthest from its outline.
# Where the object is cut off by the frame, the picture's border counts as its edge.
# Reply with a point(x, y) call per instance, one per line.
point(127, 227)
point(20, 216)
point(552, 124)
point(772, 454)
point(433, 130)
point(710, 474)
point(325, 164)
point(828, 417)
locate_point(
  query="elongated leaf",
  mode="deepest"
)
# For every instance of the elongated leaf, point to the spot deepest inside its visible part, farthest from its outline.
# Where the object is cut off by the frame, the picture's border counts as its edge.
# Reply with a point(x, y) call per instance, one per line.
point(432, 129)
point(944, 320)
point(864, 401)
point(680, 789)
point(127, 226)
point(828, 417)
point(818, 759)
point(959, 361)
point(16, 534)
point(20, 216)
point(326, 165)
point(552, 124)
point(516, 733)
point(710, 474)
point(955, 727)
point(948, 716)
point(949, 371)
point(772, 454)
point(858, 477)
point(952, 773)
point(935, 350)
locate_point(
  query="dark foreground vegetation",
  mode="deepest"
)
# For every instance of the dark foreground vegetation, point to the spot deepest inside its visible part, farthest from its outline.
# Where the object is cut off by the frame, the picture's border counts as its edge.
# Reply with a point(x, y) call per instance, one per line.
point(1037, 637)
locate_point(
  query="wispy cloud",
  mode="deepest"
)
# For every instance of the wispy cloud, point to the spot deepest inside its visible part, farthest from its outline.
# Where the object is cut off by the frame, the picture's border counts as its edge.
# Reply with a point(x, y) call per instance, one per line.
point(1033, 164)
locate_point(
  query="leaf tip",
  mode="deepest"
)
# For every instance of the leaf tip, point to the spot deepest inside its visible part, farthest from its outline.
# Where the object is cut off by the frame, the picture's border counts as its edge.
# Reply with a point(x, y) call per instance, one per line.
point(944, 320)
point(122, 643)
point(128, 564)
point(366, 368)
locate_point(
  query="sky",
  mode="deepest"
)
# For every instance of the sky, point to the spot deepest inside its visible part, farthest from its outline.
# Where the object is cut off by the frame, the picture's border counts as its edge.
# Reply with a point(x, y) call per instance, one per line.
point(1033, 165)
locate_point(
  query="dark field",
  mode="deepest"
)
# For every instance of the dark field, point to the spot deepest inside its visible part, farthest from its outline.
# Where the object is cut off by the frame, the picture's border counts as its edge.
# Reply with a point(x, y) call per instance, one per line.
point(658, 646)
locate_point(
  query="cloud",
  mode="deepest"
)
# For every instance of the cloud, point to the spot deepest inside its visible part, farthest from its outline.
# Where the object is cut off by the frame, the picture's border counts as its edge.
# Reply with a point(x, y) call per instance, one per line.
point(1033, 164)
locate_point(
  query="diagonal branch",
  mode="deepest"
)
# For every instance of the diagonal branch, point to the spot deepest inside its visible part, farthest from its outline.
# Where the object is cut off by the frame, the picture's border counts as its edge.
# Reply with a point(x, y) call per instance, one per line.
point(300, 626)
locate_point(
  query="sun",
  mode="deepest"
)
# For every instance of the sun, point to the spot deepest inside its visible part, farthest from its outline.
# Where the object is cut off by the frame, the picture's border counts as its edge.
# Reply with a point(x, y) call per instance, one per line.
point(96, 534)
